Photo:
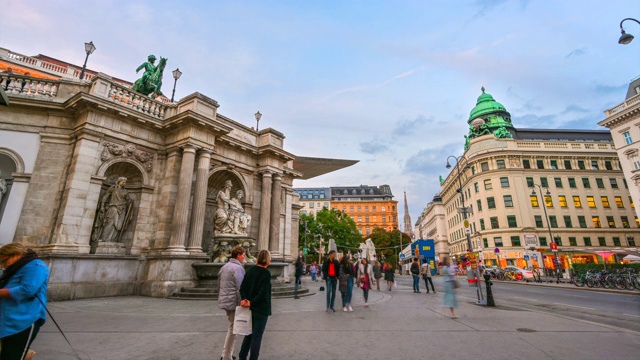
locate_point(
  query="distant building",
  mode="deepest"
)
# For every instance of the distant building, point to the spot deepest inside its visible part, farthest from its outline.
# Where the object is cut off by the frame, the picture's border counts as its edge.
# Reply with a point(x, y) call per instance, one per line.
point(514, 175)
point(623, 120)
point(313, 200)
point(431, 224)
point(408, 228)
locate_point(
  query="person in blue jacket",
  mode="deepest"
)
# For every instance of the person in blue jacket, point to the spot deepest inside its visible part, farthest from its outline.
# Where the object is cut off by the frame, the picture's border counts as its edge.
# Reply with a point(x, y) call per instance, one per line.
point(23, 299)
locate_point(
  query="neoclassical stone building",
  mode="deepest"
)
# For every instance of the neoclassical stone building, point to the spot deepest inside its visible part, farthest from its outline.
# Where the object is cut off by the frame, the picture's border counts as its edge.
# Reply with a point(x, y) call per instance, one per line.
point(65, 142)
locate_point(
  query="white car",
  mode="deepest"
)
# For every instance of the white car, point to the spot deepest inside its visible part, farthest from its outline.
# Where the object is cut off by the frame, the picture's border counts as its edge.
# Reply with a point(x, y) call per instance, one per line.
point(527, 275)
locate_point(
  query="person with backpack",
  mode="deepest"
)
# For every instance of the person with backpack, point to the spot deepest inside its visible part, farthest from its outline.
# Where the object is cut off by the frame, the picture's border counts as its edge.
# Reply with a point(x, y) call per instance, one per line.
point(415, 272)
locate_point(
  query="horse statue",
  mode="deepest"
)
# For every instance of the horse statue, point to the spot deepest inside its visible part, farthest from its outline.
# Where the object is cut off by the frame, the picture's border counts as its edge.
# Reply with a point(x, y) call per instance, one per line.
point(151, 82)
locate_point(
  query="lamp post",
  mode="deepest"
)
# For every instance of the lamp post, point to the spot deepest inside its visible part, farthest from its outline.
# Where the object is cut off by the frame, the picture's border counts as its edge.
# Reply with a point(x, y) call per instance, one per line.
point(544, 207)
point(258, 116)
point(626, 38)
point(89, 48)
point(176, 76)
point(464, 214)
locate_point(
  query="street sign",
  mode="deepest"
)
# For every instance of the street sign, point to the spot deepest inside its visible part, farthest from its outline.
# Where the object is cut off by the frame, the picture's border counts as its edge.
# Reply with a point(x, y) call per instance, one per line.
point(305, 251)
point(466, 223)
point(531, 240)
point(401, 256)
point(554, 247)
point(526, 257)
point(535, 257)
point(497, 251)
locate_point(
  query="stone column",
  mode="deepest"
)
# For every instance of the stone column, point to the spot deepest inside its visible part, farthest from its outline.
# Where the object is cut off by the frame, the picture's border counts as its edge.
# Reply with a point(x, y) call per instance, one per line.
point(181, 210)
point(265, 208)
point(199, 203)
point(274, 223)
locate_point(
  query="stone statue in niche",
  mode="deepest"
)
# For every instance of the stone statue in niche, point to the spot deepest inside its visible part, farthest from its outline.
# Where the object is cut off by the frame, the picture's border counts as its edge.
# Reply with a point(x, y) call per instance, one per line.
point(230, 217)
point(3, 187)
point(114, 214)
point(248, 245)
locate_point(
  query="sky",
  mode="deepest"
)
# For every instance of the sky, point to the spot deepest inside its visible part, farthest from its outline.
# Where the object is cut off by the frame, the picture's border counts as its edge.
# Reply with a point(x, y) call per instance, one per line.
point(388, 83)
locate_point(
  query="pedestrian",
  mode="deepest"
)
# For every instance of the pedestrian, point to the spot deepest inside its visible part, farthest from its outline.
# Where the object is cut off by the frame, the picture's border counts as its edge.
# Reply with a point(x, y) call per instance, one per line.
point(389, 275)
point(346, 282)
point(365, 279)
point(377, 273)
point(449, 275)
point(255, 292)
point(313, 269)
point(426, 276)
point(229, 281)
point(23, 299)
point(330, 273)
point(415, 273)
point(299, 266)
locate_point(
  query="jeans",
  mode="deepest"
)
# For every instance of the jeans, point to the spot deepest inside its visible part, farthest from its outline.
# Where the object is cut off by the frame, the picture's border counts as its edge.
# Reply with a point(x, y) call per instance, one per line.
point(416, 282)
point(295, 288)
point(332, 282)
point(251, 343)
point(313, 276)
point(16, 345)
point(347, 295)
point(428, 279)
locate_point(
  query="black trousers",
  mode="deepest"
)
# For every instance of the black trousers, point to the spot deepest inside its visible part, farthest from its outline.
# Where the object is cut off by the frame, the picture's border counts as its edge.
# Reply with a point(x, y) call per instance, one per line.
point(15, 347)
point(427, 285)
point(251, 343)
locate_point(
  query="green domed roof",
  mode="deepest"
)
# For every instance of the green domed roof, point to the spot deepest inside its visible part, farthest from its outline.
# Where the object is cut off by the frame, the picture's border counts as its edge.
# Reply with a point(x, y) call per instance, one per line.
point(485, 105)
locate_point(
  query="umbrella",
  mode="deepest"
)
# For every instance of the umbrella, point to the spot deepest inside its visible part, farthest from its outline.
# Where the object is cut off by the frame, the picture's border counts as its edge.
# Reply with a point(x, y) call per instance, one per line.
point(631, 258)
point(605, 255)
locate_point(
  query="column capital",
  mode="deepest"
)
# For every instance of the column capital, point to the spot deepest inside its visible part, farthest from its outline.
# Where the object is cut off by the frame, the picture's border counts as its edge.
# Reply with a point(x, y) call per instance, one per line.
point(191, 148)
point(205, 152)
point(266, 173)
point(277, 176)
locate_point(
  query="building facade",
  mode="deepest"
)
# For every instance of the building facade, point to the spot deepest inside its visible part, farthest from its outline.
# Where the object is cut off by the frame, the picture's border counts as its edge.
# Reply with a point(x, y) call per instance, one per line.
point(66, 144)
point(369, 206)
point(313, 200)
point(623, 120)
point(528, 187)
point(432, 224)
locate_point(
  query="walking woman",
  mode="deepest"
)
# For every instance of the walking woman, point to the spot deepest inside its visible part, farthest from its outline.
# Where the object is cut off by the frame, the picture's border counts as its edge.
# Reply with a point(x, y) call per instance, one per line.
point(255, 293)
point(389, 275)
point(365, 279)
point(23, 299)
point(314, 270)
point(449, 275)
point(377, 273)
point(345, 281)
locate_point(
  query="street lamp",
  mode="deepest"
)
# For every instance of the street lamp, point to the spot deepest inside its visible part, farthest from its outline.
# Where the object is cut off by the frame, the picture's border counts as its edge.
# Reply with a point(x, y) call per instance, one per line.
point(176, 76)
point(544, 207)
point(89, 48)
point(626, 38)
point(258, 116)
point(464, 213)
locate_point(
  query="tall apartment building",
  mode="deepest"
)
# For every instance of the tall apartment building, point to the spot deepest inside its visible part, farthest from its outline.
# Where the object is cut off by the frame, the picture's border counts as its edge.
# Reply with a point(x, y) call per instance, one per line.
point(623, 120)
point(369, 206)
point(520, 182)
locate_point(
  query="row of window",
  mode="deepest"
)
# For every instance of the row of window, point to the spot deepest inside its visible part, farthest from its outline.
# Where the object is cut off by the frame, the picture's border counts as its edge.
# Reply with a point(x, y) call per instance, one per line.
point(586, 183)
point(577, 203)
point(552, 164)
point(353, 192)
point(571, 241)
point(553, 222)
point(374, 219)
point(366, 208)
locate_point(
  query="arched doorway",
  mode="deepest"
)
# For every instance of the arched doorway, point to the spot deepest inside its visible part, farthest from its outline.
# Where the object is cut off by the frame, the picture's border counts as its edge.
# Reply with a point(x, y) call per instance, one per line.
point(7, 167)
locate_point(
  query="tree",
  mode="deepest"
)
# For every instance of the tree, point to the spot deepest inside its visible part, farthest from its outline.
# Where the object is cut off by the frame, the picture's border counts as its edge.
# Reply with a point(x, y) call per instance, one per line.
point(387, 244)
point(328, 224)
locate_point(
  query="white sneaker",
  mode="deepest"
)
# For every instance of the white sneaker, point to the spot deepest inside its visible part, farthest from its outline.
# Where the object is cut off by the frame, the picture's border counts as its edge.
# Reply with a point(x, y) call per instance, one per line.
point(344, 308)
point(350, 308)
point(366, 305)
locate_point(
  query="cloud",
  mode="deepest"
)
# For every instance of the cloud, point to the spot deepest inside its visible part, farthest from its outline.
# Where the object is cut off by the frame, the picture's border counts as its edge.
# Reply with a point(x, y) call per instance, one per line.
point(432, 161)
point(373, 147)
point(409, 127)
point(577, 52)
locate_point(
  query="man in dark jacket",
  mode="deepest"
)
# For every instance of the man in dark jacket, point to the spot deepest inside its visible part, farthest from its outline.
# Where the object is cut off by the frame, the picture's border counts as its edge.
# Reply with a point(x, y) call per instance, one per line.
point(415, 273)
point(330, 273)
point(299, 266)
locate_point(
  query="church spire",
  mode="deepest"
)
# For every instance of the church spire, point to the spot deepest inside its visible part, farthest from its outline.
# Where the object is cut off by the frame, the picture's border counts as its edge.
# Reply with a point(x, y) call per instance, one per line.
point(408, 228)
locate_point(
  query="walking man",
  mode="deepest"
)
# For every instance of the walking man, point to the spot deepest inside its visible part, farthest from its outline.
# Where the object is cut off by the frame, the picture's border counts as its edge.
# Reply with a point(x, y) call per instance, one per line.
point(415, 272)
point(299, 266)
point(229, 280)
point(426, 276)
point(330, 272)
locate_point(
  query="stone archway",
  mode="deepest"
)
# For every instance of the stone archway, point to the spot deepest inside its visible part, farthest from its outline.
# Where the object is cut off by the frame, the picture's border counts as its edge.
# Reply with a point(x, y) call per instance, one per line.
point(8, 166)
point(134, 186)
point(215, 184)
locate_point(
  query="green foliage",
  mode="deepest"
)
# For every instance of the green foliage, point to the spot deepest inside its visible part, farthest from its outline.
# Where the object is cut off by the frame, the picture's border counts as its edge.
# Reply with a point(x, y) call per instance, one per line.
point(387, 244)
point(328, 224)
point(583, 268)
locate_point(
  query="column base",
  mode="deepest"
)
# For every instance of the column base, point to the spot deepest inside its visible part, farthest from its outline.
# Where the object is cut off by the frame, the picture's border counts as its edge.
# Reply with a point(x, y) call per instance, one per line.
point(111, 248)
point(63, 249)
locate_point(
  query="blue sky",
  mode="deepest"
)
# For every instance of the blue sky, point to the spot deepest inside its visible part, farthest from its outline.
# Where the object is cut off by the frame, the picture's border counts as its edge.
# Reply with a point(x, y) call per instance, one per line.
point(389, 83)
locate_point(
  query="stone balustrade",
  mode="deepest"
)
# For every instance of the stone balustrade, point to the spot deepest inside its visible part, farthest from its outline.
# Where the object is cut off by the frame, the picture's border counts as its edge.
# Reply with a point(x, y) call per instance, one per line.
point(64, 71)
point(124, 96)
point(26, 85)
point(626, 104)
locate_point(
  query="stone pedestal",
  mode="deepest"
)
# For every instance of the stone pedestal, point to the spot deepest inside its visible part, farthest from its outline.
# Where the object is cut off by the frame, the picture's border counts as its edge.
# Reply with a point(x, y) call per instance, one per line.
point(111, 248)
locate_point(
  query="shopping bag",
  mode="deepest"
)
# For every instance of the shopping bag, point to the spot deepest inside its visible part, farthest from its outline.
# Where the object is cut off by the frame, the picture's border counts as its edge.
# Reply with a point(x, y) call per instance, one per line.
point(395, 284)
point(242, 321)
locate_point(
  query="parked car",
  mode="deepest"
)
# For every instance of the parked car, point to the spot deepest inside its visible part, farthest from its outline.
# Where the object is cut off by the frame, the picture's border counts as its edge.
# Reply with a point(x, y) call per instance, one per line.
point(527, 275)
point(488, 270)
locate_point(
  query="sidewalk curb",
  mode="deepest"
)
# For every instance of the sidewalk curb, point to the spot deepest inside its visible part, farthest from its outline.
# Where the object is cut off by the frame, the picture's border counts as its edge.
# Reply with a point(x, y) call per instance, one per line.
point(573, 287)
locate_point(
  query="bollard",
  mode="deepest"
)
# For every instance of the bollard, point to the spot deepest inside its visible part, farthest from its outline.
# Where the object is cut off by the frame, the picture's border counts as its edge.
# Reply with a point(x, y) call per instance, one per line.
point(487, 281)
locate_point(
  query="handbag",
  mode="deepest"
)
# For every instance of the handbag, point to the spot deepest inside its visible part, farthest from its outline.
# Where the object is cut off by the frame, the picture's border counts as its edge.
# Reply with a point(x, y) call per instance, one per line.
point(242, 321)
point(455, 283)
